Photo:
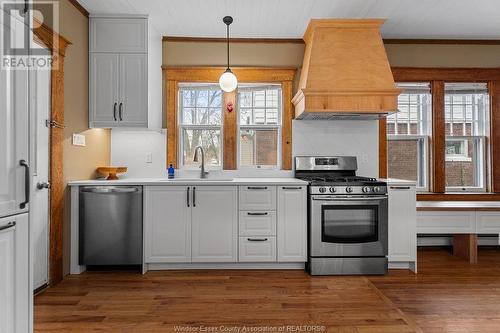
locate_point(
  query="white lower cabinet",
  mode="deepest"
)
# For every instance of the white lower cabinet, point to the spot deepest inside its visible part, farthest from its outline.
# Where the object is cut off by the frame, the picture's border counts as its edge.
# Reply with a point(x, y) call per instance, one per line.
point(214, 231)
point(15, 284)
point(402, 224)
point(292, 226)
point(185, 224)
point(167, 224)
point(257, 249)
point(209, 224)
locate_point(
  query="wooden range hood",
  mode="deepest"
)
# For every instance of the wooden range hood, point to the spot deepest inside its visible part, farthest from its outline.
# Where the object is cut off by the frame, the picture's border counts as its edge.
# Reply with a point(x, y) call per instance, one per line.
point(345, 73)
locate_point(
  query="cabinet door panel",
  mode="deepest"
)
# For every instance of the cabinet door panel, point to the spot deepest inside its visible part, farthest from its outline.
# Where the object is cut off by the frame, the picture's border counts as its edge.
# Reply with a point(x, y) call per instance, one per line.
point(13, 131)
point(292, 224)
point(119, 35)
point(167, 224)
point(103, 85)
point(15, 280)
point(133, 108)
point(402, 223)
point(215, 224)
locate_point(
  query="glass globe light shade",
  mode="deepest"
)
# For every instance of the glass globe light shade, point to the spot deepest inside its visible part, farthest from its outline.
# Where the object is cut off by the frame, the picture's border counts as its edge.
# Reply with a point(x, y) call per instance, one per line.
point(228, 81)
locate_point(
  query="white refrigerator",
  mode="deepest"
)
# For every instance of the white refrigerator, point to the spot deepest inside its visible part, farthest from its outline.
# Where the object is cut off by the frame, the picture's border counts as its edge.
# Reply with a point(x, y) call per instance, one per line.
point(16, 295)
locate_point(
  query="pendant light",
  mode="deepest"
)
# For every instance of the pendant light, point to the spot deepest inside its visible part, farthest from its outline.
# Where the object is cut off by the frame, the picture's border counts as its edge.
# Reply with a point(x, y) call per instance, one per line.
point(228, 81)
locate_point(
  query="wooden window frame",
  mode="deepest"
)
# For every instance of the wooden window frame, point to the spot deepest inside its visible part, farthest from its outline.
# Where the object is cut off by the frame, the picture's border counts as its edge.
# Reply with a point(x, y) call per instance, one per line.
point(437, 77)
point(281, 75)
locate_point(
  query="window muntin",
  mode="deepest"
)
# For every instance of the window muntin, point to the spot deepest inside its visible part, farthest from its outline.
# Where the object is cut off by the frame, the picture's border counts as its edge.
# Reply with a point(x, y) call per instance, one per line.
point(408, 133)
point(200, 123)
point(466, 126)
point(259, 115)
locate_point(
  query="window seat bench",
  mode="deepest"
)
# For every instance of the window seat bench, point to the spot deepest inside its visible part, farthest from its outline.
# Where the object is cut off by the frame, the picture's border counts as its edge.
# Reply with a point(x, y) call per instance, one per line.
point(462, 219)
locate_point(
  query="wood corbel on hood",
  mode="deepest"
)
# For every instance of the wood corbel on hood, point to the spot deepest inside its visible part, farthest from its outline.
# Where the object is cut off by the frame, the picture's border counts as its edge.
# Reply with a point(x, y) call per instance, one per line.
point(345, 72)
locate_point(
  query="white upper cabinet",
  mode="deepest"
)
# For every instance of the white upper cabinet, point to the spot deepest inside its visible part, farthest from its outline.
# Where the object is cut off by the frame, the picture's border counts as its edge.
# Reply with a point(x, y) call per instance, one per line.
point(133, 90)
point(214, 224)
point(292, 224)
point(119, 35)
point(125, 73)
point(13, 134)
point(104, 78)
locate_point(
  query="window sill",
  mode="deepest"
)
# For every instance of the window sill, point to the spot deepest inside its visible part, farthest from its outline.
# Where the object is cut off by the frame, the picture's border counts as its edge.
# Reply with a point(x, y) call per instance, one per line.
point(458, 196)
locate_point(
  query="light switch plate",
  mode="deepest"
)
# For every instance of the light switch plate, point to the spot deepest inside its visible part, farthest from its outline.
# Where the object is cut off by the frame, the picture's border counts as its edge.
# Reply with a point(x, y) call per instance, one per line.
point(78, 140)
point(149, 158)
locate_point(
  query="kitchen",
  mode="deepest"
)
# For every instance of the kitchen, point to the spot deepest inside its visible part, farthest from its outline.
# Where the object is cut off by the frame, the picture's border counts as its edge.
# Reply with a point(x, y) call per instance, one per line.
point(251, 218)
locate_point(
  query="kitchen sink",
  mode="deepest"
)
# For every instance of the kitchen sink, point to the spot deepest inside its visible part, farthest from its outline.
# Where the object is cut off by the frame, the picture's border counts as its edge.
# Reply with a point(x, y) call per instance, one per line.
point(196, 180)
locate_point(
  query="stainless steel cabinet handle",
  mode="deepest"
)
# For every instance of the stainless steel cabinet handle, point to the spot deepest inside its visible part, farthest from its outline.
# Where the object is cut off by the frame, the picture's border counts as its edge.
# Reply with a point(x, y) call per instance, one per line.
point(120, 112)
point(291, 187)
point(257, 187)
point(8, 226)
point(24, 164)
point(194, 196)
point(256, 214)
point(400, 187)
point(187, 198)
point(114, 110)
point(256, 239)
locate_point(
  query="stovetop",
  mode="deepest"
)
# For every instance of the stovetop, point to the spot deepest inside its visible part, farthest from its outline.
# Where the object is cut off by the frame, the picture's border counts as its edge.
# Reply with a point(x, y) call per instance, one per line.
point(341, 181)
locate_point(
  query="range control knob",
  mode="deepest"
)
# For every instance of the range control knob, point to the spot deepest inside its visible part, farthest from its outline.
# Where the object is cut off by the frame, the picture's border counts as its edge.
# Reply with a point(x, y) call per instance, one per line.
point(376, 189)
point(366, 189)
point(348, 189)
point(322, 189)
point(333, 190)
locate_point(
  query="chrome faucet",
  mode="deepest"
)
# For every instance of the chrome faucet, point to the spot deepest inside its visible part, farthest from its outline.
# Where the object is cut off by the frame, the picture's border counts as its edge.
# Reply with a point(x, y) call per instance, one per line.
point(202, 166)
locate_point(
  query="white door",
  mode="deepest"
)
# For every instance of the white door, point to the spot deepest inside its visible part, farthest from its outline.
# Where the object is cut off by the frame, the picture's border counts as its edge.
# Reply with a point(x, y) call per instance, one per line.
point(214, 224)
point(103, 90)
point(292, 223)
point(40, 113)
point(13, 132)
point(15, 289)
point(167, 224)
point(133, 107)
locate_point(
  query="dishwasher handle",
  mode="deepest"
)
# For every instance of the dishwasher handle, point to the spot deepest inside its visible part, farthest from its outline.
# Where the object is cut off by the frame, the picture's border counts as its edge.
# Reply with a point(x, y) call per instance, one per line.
point(110, 189)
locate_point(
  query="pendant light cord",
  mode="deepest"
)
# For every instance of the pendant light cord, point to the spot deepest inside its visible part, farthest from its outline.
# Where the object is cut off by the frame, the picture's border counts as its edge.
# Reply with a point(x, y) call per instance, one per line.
point(227, 41)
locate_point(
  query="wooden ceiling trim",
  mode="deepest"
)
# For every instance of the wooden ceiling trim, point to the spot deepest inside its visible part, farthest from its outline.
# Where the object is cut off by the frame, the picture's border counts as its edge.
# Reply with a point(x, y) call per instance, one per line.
point(426, 74)
point(244, 74)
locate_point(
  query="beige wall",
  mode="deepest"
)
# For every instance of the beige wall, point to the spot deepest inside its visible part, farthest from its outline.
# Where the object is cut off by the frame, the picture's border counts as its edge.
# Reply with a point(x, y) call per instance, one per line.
point(246, 54)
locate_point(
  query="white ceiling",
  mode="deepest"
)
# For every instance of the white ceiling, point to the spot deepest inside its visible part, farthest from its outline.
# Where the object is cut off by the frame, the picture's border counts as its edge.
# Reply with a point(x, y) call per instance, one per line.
point(461, 19)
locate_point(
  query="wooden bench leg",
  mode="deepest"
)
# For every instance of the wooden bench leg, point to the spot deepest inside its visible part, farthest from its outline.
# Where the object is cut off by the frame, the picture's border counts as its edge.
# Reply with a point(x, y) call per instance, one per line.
point(465, 247)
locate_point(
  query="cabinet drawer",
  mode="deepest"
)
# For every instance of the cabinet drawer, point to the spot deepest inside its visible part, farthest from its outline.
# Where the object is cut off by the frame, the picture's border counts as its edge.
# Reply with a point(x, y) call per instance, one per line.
point(257, 223)
point(256, 249)
point(257, 197)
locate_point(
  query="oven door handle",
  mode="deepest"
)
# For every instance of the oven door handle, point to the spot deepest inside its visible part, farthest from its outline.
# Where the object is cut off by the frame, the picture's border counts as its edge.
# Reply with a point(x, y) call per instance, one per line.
point(351, 199)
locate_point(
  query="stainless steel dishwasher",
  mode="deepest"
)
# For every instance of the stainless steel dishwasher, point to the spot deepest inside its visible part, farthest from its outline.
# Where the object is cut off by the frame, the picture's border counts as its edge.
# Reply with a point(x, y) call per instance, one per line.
point(110, 220)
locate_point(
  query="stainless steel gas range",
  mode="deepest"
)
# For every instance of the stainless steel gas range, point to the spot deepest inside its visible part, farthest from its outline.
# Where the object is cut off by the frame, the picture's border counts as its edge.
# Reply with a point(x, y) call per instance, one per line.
point(347, 218)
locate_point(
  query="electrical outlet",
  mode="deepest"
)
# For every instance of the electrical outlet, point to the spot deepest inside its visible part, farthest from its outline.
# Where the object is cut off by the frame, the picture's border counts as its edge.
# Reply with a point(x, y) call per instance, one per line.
point(149, 158)
point(78, 140)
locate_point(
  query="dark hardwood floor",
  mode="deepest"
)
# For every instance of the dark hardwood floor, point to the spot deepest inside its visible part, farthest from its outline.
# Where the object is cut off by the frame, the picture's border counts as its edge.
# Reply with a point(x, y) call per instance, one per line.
point(448, 295)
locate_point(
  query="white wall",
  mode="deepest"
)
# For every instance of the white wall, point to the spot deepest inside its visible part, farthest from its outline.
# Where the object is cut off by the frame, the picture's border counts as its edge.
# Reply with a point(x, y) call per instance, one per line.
point(310, 137)
point(339, 137)
point(130, 148)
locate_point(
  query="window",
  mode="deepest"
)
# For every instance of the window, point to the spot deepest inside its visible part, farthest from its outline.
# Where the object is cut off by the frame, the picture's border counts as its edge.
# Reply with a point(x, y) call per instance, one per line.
point(200, 123)
point(259, 108)
point(466, 123)
point(408, 131)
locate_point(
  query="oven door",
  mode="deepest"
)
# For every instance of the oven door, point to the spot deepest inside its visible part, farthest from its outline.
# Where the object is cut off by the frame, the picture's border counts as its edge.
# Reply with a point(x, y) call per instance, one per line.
point(348, 226)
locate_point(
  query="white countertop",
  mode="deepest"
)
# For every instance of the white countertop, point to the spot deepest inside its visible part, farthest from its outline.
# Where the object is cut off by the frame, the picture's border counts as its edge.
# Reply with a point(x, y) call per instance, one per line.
point(191, 181)
point(457, 205)
point(395, 181)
